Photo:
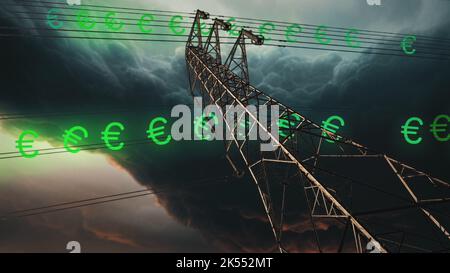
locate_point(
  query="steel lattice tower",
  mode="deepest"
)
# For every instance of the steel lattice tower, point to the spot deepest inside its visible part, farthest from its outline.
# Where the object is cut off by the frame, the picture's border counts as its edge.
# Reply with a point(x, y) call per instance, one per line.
point(301, 152)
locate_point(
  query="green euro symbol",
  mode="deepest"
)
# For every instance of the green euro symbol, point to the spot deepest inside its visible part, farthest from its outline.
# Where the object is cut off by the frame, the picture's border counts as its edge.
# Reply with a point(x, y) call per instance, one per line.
point(84, 21)
point(406, 45)
point(27, 143)
point(51, 19)
point(264, 28)
point(291, 31)
point(108, 136)
point(203, 28)
point(408, 130)
point(146, 18)
point(174, 25)
point(320, 33)
point(233, 30)
point(437, 127)
point(154, 132)
point(285, 126)
point(349, 38)
point(70, 138)
point(244, 124)
point(111, 22)
point(202, 124)
point(328, 126)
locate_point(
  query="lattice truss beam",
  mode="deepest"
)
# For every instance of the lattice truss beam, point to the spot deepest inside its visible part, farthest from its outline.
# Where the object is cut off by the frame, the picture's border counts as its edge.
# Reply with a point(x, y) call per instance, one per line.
point(378, 210)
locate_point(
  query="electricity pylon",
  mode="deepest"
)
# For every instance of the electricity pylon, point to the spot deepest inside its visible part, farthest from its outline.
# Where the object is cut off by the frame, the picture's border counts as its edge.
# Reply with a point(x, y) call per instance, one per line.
point(301, 151)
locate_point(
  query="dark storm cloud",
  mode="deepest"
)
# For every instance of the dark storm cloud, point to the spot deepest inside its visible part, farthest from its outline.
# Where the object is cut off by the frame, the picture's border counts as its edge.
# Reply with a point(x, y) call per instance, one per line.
point(108, 76)
point(92, 73)
point(295, 79)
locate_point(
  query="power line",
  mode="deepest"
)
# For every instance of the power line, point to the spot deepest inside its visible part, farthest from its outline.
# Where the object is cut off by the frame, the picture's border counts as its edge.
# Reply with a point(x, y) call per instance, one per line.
point(9, 116)
point(359, 39)
point(361, 47)
point(180, 24)
point(364, 40)
point(335, 33)
point(83, 147)
point(107, 32)
point(109, 198)
point(90, 16)
point(434, 56)
point(279, 40)
point(363, 52)
point(109, 7)
point(138, 109)
point(227, 38)
point(418, 44)
point(332, 30)
point(75, 202)
point(250, 20)
point(93, 38)
point(138, 142)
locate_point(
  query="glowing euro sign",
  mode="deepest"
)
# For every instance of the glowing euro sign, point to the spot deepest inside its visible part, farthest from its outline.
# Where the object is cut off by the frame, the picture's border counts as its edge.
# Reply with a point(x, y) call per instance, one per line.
point(174, 25)
point(202, 124)
point(406, 45)
point(350, 38)
point(72, 139)
point(84, 21)
point(27, 143)
point(203, 28)
point(52, 19)
point(408, 129)
point(264, 28)
point(146, 19)
point(154, 133)
point(437, 128)
point(112, 23)
point(285, 125)
point(247, 126)
point(108, 136)
point(291, 31)
point(233, 30)
point(320, 35)
point(329, 126)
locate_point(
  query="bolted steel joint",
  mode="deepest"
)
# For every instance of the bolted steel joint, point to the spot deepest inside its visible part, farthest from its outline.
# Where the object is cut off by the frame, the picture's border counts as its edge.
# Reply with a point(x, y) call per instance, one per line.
point(202, 14)
point(224, 25)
